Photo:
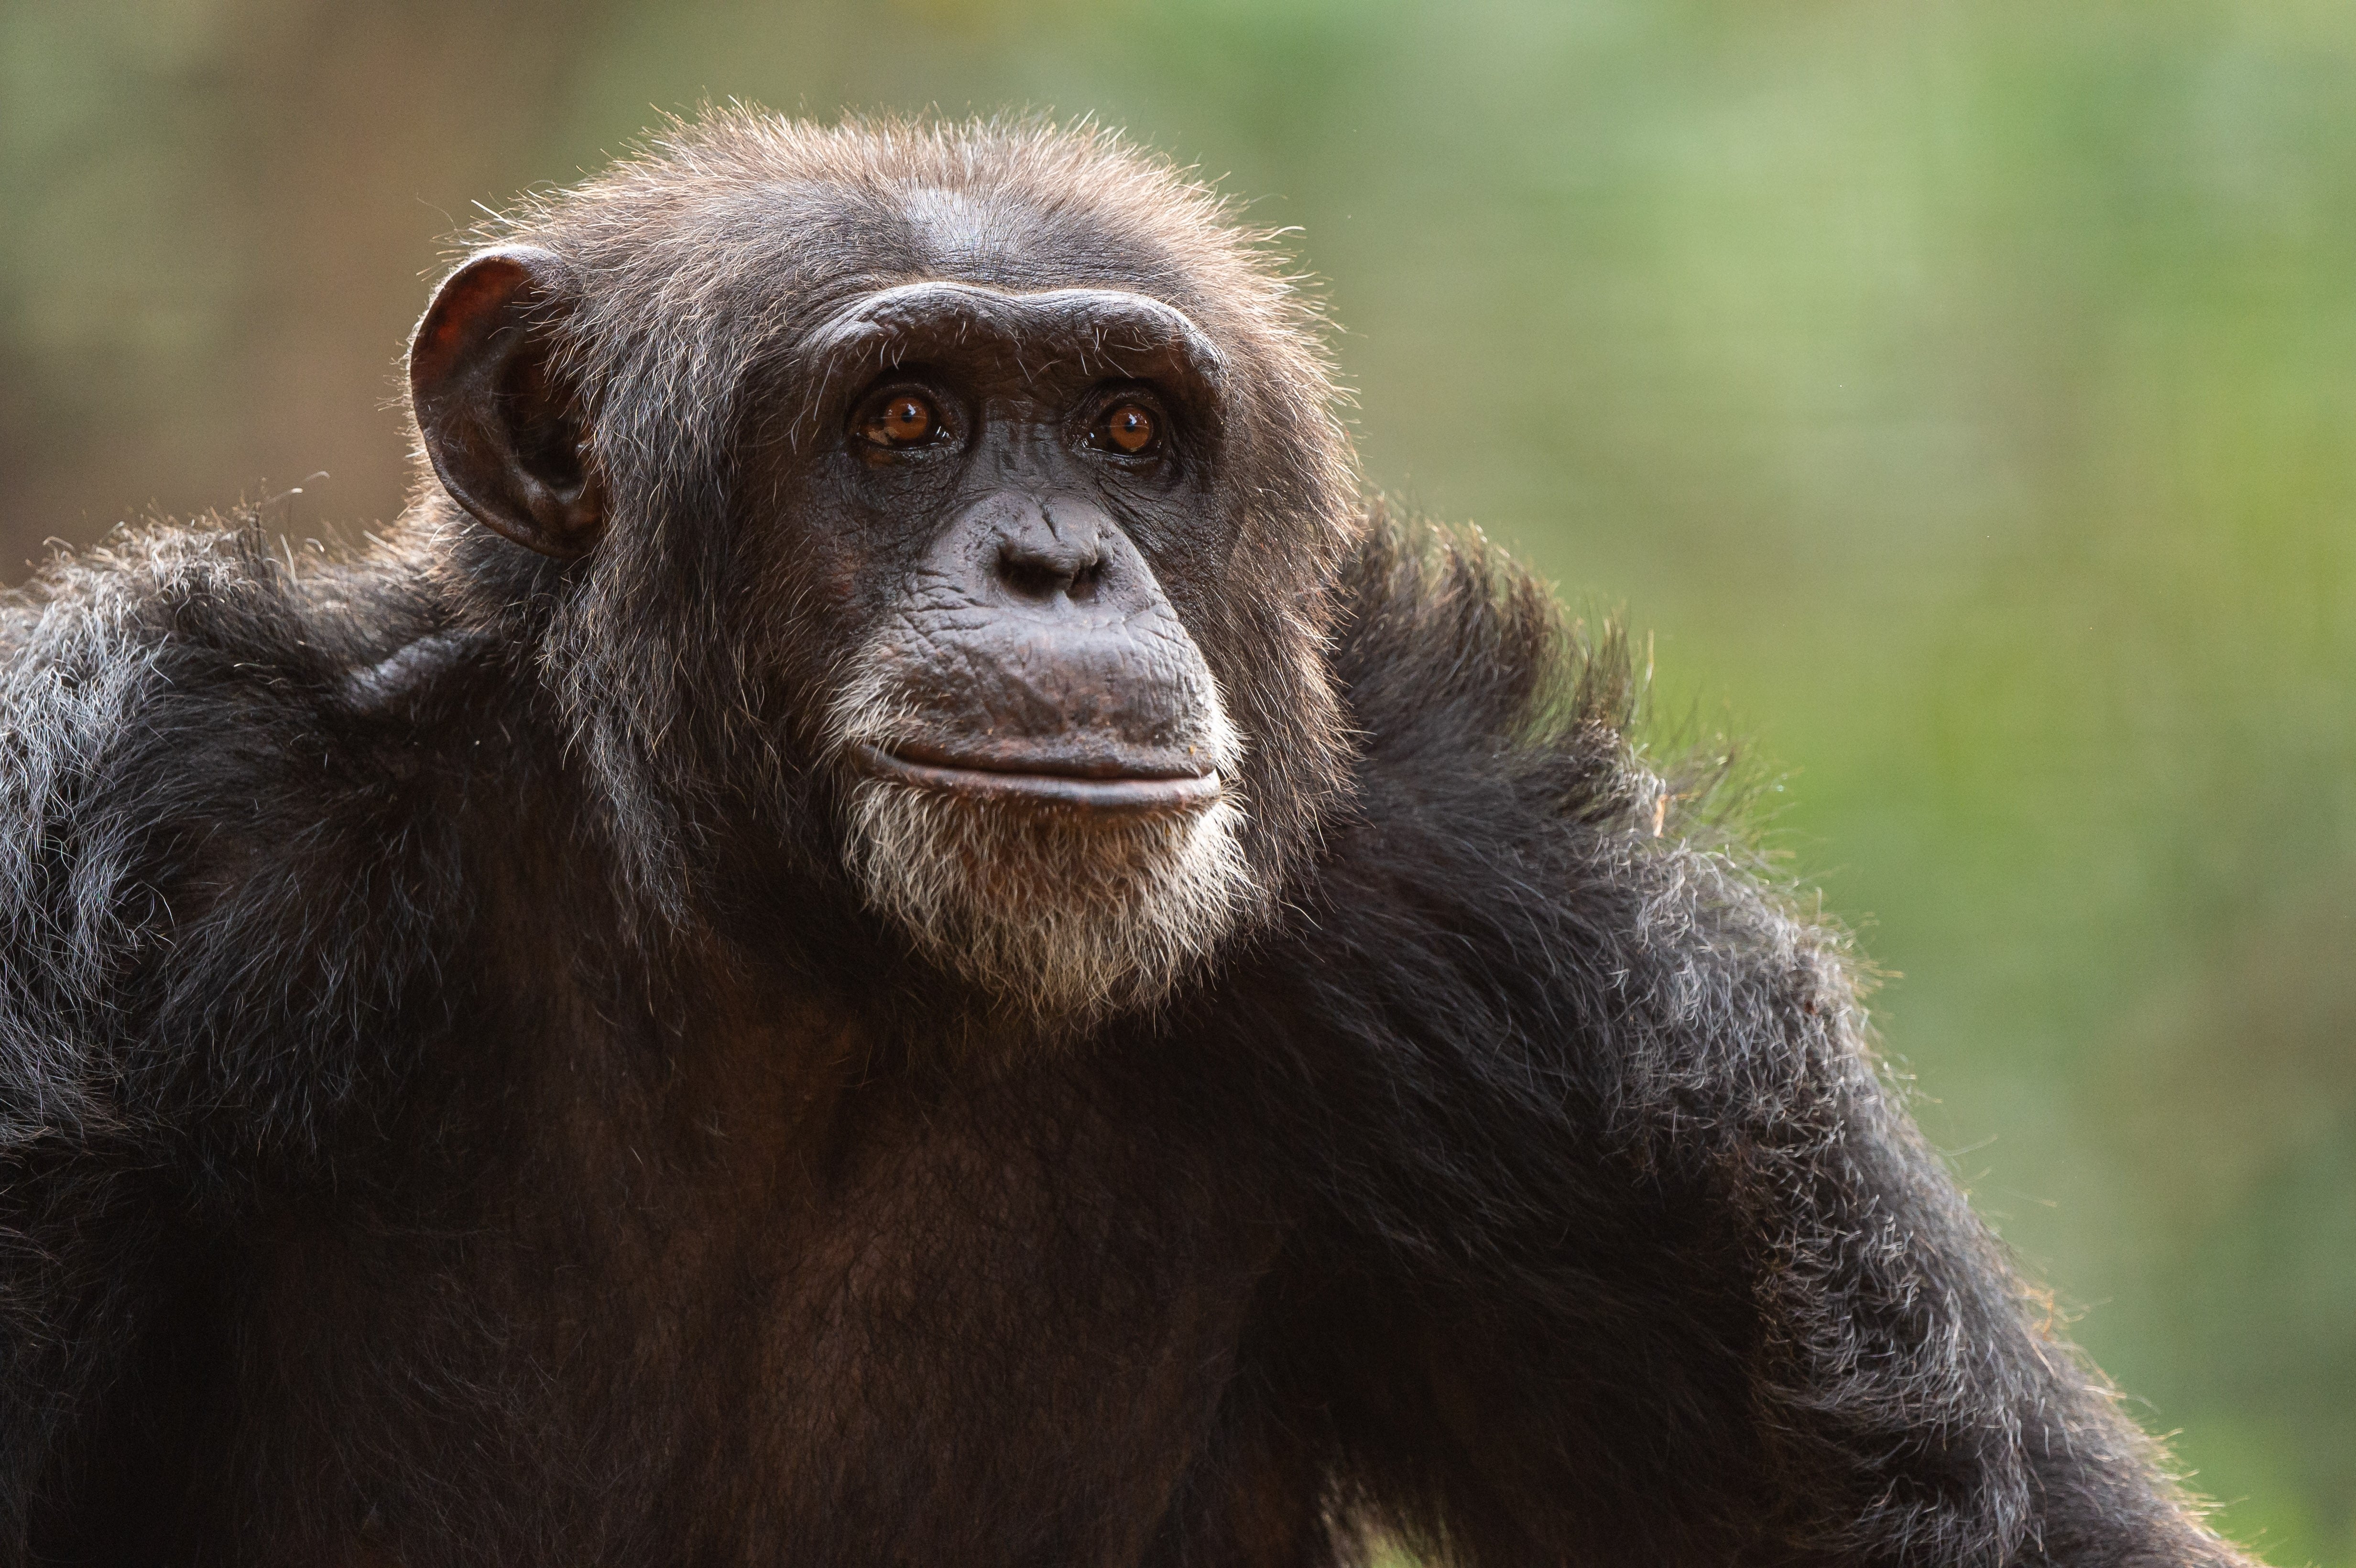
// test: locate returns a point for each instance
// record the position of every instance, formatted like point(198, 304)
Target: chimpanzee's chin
point(1059, 914)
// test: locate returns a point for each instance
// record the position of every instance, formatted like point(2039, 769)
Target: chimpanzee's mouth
point(1095, 782)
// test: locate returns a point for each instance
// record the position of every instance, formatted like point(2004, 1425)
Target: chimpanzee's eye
point(1129, 428)
point(903, 420)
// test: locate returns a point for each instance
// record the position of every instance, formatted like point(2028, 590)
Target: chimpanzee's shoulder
point(1525, 899)
point(199, 636)
point(1501, 813)
point(205, 751)
point(1514, 845)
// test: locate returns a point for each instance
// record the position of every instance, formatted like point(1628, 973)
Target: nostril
point(1038, 575)
point(1029, 576)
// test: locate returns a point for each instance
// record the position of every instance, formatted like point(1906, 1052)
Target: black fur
point(427, 1143)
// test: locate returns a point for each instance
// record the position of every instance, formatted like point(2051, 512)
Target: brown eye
point(903, 420)
point(1129, 428)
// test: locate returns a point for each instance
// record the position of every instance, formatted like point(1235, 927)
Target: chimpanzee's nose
point(1049, 548)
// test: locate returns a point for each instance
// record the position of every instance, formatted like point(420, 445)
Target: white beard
point(1064, 915)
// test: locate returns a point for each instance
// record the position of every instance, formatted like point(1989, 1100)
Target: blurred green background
point(1963, 392)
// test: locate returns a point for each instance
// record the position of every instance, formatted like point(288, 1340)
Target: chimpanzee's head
point(956, 506)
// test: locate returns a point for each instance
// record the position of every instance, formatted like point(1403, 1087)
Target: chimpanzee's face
point(999, 505)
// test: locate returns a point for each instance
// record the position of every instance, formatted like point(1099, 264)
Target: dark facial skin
point(1003, 501)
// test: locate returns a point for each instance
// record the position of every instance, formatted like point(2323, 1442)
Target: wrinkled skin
point(1022, 628)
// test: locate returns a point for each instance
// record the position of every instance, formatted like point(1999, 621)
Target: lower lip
point(1046, 789)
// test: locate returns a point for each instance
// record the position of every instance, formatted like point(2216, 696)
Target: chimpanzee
point(891, 926)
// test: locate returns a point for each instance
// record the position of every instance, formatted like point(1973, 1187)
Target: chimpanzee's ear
point(502, 423)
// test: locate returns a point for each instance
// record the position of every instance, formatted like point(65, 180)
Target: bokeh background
point(1962, 391)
